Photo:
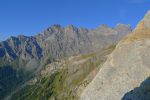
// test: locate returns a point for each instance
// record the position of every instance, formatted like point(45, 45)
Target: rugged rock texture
point(28, 55)
point(126, 68)
point(58, 41)
point(21, 49)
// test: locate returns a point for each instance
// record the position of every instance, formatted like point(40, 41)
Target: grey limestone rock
point(124, 74)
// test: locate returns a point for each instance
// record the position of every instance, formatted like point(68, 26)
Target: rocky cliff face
point(58, 41)
point(125, 75)
point(20, 49)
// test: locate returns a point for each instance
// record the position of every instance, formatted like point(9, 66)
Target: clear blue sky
point(30, 17)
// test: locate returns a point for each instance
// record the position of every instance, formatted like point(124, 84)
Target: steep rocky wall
point(125, 69)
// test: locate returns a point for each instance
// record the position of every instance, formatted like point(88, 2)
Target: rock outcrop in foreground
point(125, 75)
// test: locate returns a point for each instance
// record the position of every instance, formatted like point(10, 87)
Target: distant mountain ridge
point(26, 55)
point(59, 42)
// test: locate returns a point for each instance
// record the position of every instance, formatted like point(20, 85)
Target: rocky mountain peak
point(119, 25)
point(103, 26)
point(147, 16)
point(56, 26)
point(71, 29)
point(145, 23)
point(142, 30)
point(22, 37)
point(147, 20)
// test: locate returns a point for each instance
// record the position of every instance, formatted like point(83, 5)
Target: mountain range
point(24, 58)
point(74, 63)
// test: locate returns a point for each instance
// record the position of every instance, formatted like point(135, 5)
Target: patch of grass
point(63, 84)
point(110, 48)
point(44, 89)
point(87, 55)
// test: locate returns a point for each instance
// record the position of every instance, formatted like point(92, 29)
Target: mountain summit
point(145, 22)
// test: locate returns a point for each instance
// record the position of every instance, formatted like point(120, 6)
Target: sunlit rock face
point(147, 20)
point(124, 74)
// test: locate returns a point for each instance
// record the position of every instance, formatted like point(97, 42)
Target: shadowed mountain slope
point(139, 93)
